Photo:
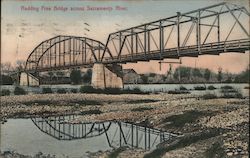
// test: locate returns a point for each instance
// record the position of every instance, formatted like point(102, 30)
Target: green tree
point(87, 76)
point(59, 73)
point(144, 78)
point(152, 74)
point(219, 77)
point(229, 77)
point(19, 91)
point(169, 73)
point(51, 74)
point(196, 72)
point(207, 74)
point(243, 77)
point(182, 72)
point(6, 80)
point(75, 76)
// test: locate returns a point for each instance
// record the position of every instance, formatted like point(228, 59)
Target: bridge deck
point(239, 46)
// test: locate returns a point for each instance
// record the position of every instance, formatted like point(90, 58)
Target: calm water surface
point(56, 136)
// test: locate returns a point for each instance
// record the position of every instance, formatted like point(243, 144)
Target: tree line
point(181, 74)
point(185, 74)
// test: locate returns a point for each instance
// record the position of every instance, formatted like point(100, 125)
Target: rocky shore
point(188, 115)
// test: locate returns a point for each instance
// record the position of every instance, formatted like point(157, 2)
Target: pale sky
point(23, 30)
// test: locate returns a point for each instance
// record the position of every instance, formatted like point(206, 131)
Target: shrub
point(115, 153)
point(181, 119)
point(87, 89)
point(209, 96)
point(61, 91)
point(19, 91)
point(226, 87)
point(74, 90)
point(178, 92)
point(230, 92)
point(211, 87)
point(90, 89)
point(199, 88)
point(6, 80)
point(75, 76)
point(47, 90)
point(111, 91)
point(85, 102)
point(247, 87)
point(235, 94)
point(91, 112)
point(135, 90)
point(142, 109)
point(182, 88)
point(141, 101)
point(5, 92)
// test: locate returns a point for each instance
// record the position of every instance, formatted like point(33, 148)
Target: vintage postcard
point(124, 78)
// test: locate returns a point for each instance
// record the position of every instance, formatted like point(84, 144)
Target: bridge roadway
point(188, 51)
point(234, 46)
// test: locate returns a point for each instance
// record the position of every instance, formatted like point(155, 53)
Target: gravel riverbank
point(184, 114)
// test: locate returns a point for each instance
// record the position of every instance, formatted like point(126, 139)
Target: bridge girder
point(212, 25)
point(210, 30)
point(62, 52)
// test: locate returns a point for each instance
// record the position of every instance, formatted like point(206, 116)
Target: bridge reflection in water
point(117, 134)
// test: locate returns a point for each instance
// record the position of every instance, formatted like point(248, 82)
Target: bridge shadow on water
point(118, 134)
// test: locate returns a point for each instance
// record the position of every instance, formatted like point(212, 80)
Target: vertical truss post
point(82, 50)
point(198, 33)
point(59, 128)
point(145, 135)
point(136, 43)
point(132, 43)
point(55, 55)
point(145, 41)
point(99, 51)
point(178, 33)
point(132, 136)
point(218, 28)
point(161, 40)
point(120, 44)
point(85, 51)
point(54, 129)
point(148, 138)
point(50, 54)
point(73, 51)
point(136, 136)
point(148, 41)
point(42, 58)
point(64, 52)
point(70, 51)
point(59, 53)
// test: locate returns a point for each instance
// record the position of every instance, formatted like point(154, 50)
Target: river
point(146, 87)
point(58, 136)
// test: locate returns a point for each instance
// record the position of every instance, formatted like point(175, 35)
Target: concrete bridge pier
point(27, 79)
point(107, 76)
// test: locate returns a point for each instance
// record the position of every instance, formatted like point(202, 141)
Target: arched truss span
point(63, 52)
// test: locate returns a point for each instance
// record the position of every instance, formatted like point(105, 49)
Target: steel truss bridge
point(117, 134)
point(210, 30)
